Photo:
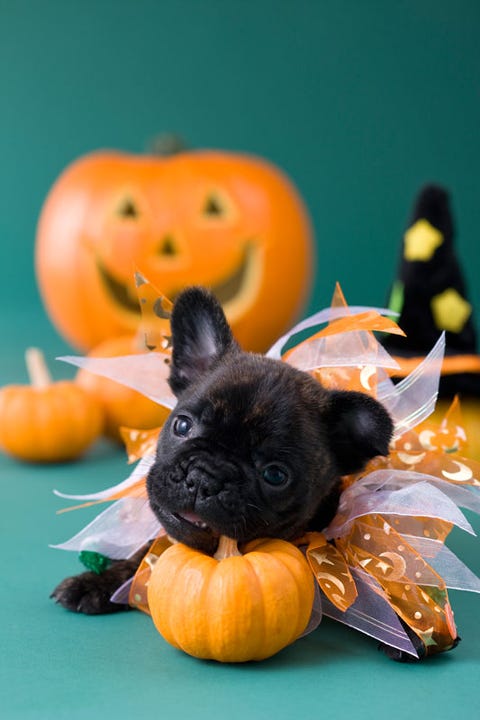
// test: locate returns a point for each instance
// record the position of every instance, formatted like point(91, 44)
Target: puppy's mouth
point(193, 519)
point(189, 528)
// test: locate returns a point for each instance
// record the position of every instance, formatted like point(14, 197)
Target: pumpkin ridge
point(238, 576)
point(291, 563)
point(264, 635)
point(193, 557)
point(83, 419)
point(67, 431)
point(286, 558)
point(156, 592)
point(270, 566)
point(48, 411)
point(40, 414)
point(260, 654)
point(208, 569)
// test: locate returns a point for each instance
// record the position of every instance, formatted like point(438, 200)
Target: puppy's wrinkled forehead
point(254, 393)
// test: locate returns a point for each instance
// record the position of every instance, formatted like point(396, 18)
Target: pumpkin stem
point(37, 368)
point(226, 548)
point(166, 144)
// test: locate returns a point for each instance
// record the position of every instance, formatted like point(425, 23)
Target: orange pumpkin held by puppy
point(231, 222)
point(231, 607)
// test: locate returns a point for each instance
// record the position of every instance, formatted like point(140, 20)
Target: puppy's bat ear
point(201, 336)
point(359, 428)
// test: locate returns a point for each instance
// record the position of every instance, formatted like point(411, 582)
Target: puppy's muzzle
point(197, 498)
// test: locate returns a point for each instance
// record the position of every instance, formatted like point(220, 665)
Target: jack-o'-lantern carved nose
point(168, 246)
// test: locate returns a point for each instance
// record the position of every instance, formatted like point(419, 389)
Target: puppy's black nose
point(209, 489)
point(202, 483)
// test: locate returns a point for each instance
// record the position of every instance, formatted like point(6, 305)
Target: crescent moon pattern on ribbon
point(332, 579)
point(365, 374)
point(463, 474)
point(408, 459)
point(425, 437)
point(398, 567)
point(335, 580)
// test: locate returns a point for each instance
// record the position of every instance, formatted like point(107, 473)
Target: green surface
point(55, 664)
point(360, 102)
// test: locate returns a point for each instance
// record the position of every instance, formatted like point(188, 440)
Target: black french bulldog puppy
point(254, 448)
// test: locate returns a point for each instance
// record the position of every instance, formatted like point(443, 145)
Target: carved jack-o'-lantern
point(231, 222)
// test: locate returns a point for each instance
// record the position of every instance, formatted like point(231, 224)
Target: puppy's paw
point(88, 593)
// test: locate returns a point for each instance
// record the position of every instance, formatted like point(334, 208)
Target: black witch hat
point(430, 297)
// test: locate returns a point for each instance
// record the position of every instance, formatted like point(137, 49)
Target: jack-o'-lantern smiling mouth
point(236, 292)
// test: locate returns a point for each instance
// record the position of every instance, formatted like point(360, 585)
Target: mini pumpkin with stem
point(232, 607)
point(47, 421)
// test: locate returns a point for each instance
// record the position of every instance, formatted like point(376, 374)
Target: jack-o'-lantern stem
point(166, 144)
point(37, 369)
point(227, 547)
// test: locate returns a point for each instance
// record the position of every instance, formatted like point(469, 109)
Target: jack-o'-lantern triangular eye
point(215, 206)
point(127, 208)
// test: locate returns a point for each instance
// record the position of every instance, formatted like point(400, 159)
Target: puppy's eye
point(274, 475)
point(182, 426)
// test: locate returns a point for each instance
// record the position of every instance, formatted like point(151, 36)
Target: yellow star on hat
point(421, 241)
point(450, 310)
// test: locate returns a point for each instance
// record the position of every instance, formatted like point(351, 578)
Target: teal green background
point(360, 102)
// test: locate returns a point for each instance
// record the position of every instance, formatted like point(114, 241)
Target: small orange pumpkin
point(47, 421)
point(121, 406)
point(231, 607)
point(228, 221)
